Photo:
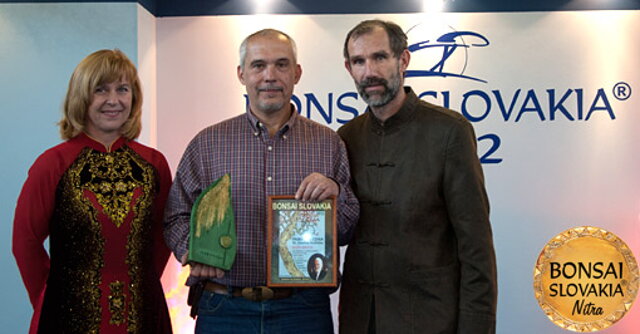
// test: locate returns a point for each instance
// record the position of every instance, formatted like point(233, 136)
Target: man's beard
point(266, 106)
point(391, 89)
point(270, 107)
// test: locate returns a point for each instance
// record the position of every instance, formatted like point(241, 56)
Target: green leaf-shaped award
point(213, 230)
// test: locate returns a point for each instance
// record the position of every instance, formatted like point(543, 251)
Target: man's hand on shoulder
point(317, 187)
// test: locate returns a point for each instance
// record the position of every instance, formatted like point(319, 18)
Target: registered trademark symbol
point(622, 91)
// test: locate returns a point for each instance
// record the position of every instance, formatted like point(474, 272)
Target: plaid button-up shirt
point(259, 166)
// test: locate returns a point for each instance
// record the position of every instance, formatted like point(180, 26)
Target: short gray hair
point(266, 32)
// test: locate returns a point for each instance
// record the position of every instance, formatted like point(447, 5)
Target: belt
point(256, 293)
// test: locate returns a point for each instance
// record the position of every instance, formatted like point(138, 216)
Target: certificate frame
point(301, 236)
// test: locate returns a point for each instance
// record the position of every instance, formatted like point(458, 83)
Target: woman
point(99, 197)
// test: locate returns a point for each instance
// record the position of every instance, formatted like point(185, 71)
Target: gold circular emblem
point(226, 241)
point(585, 279)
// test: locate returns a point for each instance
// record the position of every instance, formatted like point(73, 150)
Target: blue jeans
point(307, 311)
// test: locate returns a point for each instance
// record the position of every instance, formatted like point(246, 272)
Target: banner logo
point(447, 56)
point(585, 279)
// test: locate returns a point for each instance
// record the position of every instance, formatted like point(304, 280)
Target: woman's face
point(109, 109)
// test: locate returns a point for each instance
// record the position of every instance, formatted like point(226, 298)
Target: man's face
point(376, 72)
point(318, 263)
point(269, 73)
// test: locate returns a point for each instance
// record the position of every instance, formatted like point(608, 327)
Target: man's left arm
point(348, 205)
point(468, 208)
point(317, 187)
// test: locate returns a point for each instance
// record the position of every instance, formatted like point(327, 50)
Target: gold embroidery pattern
point(77, 244)
point(113, 184)
point(116, 303)
point(74, 230)
point(139, 252)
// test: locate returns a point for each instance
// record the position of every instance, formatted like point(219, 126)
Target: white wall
point(147, 71)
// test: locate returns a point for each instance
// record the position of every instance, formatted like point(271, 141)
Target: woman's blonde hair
point(99, 68)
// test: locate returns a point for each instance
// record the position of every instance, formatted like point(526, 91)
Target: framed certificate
point(301, 243)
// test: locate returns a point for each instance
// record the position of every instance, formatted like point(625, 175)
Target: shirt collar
point(258, 128)
point(406, 112)
point(86, 140)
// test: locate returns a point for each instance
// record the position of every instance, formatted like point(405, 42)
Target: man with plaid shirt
point(269, 150)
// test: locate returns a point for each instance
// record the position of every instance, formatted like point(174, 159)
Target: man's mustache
point(270, 88)
point(373, 81)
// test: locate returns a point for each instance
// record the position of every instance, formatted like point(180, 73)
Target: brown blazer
point(422, 251)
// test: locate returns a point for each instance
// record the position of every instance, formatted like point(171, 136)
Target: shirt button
point(270, 148)
point(269, 178)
